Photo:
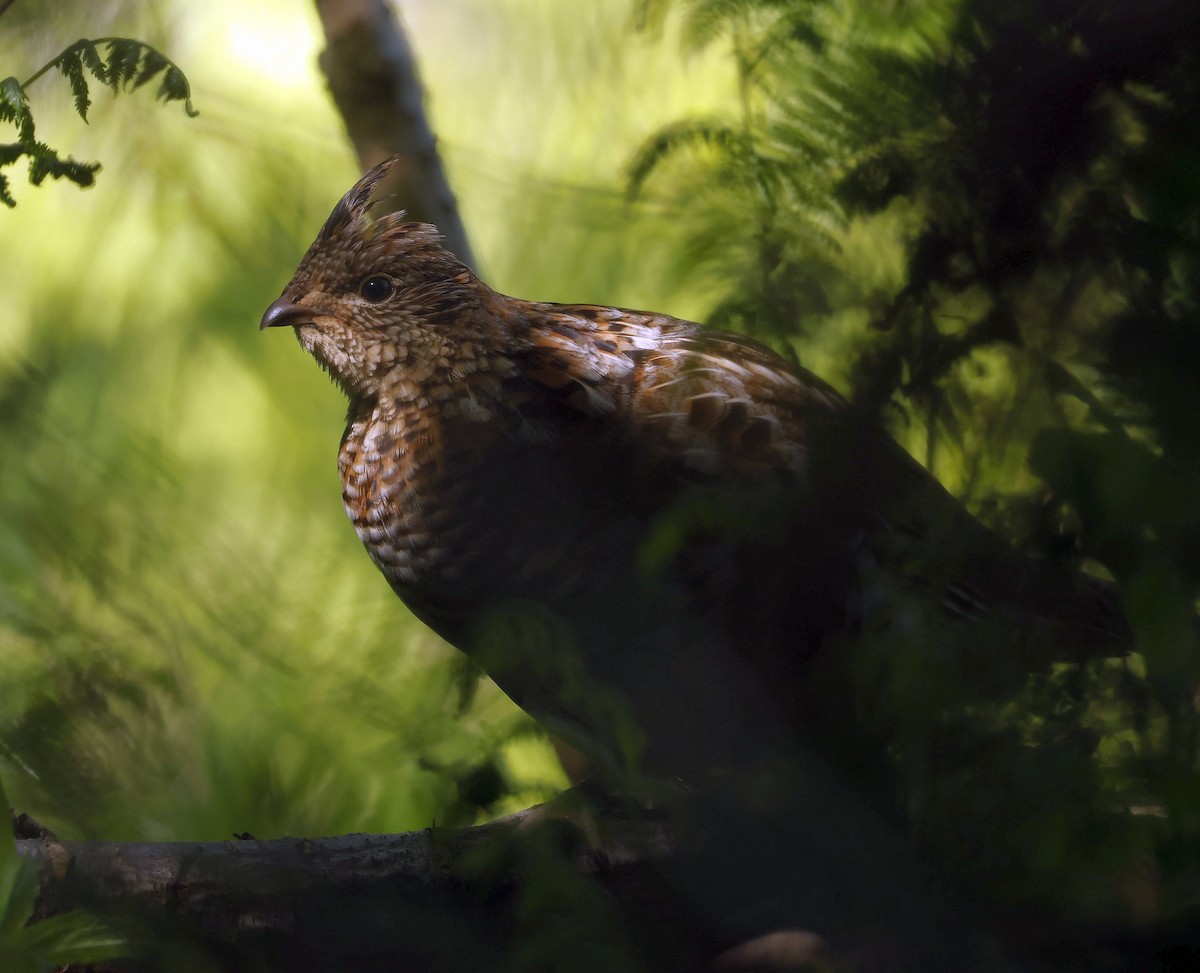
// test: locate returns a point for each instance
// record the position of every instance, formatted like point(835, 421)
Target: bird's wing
point(719, 404)
point(716, 405)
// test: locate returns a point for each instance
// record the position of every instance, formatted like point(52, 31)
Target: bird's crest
point(370, 200)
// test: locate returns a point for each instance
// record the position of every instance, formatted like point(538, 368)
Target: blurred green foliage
point(188, 647)
point(979, 219)
point(192, 643)
point(982, 219)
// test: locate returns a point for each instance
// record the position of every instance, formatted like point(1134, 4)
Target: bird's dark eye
point(376, 289)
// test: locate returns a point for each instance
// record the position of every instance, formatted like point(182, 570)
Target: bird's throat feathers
point(382, 367)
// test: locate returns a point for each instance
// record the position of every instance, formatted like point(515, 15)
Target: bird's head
point(377, 300)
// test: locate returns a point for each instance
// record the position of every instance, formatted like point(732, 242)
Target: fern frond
point(152, 64)
point(672, 139)
point(70, 63)
point(127, 64)
point(44, 161)
point(91, 59)
point(122, 61)
point(14, 107)
point(12, 100)
point(175, 87)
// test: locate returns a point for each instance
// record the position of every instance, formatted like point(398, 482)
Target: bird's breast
point(479, 506)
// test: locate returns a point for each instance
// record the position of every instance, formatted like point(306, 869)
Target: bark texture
point(373, 77)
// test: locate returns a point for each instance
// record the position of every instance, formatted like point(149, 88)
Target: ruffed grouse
point(643, 530)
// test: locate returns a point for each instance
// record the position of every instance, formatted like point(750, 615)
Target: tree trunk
point(372, 75)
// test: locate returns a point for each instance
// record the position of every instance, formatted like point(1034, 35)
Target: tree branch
point(435, 899)
point(673, 889)
point(705, 886)
point(372, 75)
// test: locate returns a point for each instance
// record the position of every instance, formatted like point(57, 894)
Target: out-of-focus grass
point(192, 642)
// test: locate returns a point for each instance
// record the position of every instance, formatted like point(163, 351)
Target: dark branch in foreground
point(711, 889)
point(203, 879)
point(442, 900)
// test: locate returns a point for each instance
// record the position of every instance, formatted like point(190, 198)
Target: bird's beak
point(285, 314)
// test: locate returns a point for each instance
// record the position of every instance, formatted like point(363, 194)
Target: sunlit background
point(192, 641)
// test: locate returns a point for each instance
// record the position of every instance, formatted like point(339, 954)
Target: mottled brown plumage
point(644, 530)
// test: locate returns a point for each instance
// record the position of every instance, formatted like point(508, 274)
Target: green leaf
point(152, 64)
point(14, 107)
point(71, 938)
point(46, 162)
point(12, 99)
point(122, 61)
point(18, 893)
point(175, 87)
point(92, 60)
point(18, 881)
point(71, 65)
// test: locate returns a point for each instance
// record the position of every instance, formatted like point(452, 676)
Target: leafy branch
point(126, 64)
